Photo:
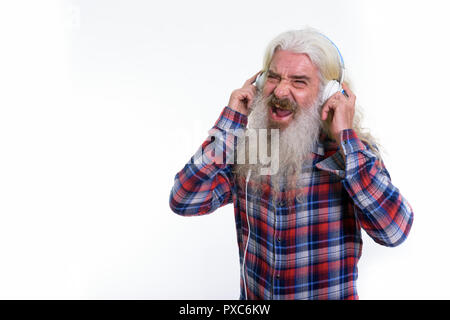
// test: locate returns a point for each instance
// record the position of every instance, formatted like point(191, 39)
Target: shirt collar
point(335, 163)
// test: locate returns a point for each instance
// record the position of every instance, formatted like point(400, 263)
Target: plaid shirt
point(303, 247)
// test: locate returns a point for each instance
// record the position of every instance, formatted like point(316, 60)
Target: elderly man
point(299, 225)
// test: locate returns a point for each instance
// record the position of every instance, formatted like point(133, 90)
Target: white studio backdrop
point(103, 102)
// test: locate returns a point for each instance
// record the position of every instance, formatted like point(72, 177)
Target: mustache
point(284, 104)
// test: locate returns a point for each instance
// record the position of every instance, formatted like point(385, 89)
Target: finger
point(250, 94)
point(337, 96)
point(246, 93)
point(251, 90)
point(347, 89)
point(326, 109)
point(252, 79)
point(350, 94)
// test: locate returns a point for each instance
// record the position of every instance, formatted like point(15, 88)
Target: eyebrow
point(295, 77)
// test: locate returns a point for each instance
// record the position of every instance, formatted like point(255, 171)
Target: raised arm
point(381, 210)
point(205, 182)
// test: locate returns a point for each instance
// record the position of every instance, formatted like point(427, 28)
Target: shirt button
point(281, 203)
point(278, 276)
point(278, 239)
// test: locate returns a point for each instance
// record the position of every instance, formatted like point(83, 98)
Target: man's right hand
point(242, 98)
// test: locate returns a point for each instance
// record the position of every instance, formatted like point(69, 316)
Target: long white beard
point(296, 142)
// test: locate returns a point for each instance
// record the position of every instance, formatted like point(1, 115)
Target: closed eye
point(272, 76)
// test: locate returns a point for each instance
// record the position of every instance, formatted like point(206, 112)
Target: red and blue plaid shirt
point(300, 247)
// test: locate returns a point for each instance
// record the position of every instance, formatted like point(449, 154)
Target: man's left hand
point(341, 110)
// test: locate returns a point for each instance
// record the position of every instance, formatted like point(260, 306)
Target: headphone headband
point(340, 57)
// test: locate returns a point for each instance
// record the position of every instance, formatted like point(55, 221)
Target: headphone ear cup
point(259, 83)
point(331, 88)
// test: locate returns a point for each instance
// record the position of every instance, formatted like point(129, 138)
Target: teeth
point(279, 107)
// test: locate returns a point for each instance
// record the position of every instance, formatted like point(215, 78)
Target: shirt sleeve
point(380, 208)
point(205, 183)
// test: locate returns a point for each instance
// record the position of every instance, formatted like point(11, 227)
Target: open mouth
point(280, 114)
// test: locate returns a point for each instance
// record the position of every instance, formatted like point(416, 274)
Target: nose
point(282, 90)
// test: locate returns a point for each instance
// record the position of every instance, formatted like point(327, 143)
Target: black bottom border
point(222, 309)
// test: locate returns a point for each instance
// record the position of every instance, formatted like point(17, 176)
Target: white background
point(103, 102)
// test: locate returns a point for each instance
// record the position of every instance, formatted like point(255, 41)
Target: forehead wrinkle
point(291, 76)
point(301, 68)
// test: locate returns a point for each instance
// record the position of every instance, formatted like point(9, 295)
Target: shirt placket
point(277, 241)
